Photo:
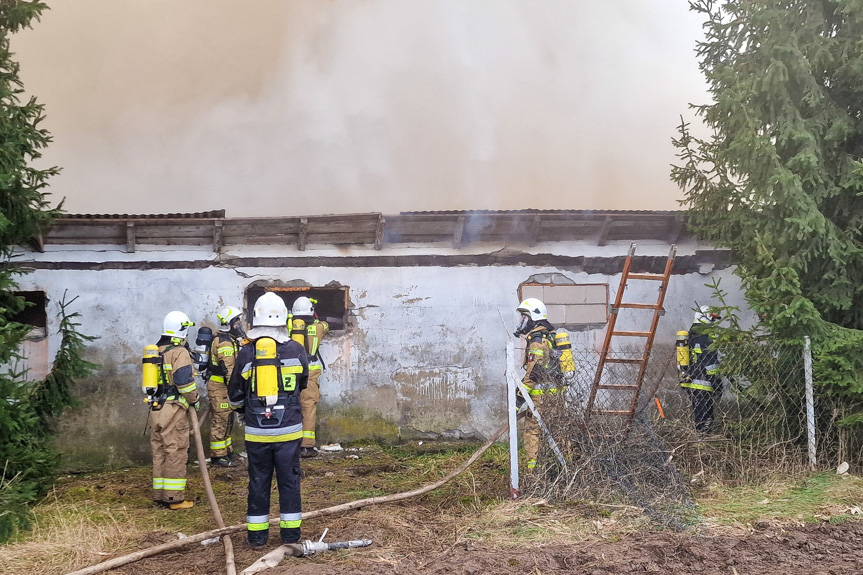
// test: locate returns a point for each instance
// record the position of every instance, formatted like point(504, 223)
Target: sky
point(307, 107)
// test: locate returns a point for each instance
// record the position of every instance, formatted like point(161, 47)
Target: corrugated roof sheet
point(549, 212)
point(190, 216)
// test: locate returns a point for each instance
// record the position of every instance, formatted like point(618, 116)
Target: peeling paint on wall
point(423, 354)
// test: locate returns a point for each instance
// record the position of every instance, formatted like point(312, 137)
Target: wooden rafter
point(304, 231)
point(130, 237)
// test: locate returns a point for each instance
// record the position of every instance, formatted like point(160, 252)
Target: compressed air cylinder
point(266, 376)
point(682, 348)
point(567, 362)
point(201, 353)
point(298, 331)
point(150, 367)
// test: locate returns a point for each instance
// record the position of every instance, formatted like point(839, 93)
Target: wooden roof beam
point(303, 234)
point(677, 226)
point(217, 236)
point(379, 233)
point(458, 232)
point(602, 237)
point(130, 237)
point(535, 226)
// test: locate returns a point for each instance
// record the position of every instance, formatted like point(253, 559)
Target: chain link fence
point(652, 458)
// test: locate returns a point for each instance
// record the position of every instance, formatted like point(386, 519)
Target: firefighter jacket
point(178, 374)
point(537, 361)
point(313, 332)
point(703, 361)
point(223, 355)
point(283, 420)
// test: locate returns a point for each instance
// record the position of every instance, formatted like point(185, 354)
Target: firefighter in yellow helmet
point(308, 330)
point(169, 401)
point(539, 334)
point(270, 373)
point(223, 354)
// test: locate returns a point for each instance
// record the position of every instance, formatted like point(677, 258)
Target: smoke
point(280, 107)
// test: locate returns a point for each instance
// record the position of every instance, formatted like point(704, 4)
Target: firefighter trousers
point(220, 439)
point(309, 399)
point(169, 442)
point(703, 406)
point(532, 433)
point(283, 458)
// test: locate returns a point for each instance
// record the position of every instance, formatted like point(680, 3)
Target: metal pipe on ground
point(156, 549)
point(304, 549)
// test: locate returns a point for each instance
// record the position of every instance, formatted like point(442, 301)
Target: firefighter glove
point(519, 399)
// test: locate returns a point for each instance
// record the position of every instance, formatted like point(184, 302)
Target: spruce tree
point(780, 182)
point(780, 179)
point(28, 409)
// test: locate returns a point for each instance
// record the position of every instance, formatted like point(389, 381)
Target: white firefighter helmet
point(270, 310)
point(533, 308)
point(227, 315)
point(303, 307)
point(704, 315)
point(176, 324)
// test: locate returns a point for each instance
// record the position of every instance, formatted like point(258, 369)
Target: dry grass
point(88, 518)
point(67, 536)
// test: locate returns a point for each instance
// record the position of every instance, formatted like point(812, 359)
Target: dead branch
point(157, 549)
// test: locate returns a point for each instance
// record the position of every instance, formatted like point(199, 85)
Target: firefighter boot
point(182, 505)
point(223, 461)
point(308, 452)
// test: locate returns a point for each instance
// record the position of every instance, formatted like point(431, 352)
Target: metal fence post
point(810, 401)
point(513, 430)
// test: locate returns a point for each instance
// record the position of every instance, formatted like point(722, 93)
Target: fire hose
point(156, 549)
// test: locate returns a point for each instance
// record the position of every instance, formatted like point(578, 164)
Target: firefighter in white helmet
point(698, 366)
point(308, 330)
point(271, 371)
point(538, 378)
point(223, 355)
point(169, 434)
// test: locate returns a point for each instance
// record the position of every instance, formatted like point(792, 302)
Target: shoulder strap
point(535, 336)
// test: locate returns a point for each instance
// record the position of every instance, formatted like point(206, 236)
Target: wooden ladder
point(635, 387)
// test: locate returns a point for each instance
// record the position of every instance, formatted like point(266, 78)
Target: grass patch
point(88, 518)
point(821, 496)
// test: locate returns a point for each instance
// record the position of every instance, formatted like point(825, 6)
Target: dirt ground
point(464, 527)
point(811, 550)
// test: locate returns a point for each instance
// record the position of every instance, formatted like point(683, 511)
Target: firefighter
point(538, 378)
point(169, 401)
point(308, 330)
point(698, 366)
point(223, 353)
point(271, 371)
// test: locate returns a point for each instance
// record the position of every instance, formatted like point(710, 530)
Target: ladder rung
point(621, 387)
point(610, 412)
point(640, 305)
point(632, 333)
point(645, 277)
point(622, 360)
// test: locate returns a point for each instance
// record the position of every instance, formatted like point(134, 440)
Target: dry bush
point(651, 460)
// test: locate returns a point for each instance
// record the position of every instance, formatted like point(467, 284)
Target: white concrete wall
point(424, 352)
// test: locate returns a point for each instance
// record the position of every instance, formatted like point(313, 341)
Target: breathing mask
point(236, 328)
point(525, 326)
